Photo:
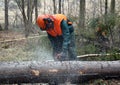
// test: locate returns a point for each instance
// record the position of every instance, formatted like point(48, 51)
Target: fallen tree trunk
point(44, 72)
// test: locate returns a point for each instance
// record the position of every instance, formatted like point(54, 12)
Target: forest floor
point(15, 47)
point(10, 49)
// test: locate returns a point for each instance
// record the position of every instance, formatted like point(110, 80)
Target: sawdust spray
point(41, 49)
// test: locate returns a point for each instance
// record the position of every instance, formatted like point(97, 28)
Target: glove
point(62, 56)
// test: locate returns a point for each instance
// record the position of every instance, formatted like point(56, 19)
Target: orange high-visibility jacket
point(57, 22)
point(57, 18)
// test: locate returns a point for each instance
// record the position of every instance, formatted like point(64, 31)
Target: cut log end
point(35, 72)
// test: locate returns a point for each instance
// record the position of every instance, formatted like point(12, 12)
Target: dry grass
point(12, 50)
point(15, 47)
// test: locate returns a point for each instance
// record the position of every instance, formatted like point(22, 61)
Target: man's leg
point(57, 49)
point(72, 48)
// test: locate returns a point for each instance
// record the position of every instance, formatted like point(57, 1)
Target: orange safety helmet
point(41, 21)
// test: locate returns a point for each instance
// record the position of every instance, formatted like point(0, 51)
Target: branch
point(12, 40)
point(95, 55)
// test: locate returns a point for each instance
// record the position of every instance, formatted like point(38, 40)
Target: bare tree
point(82, 14)
point(6, 15)
point(36, 8)
point(27, 17)
point(68, 7)
point(112, 10)
point(44, 6)
point(59, 10)
point(101, 10)
point(106, 7)
point(1, 28)
point(63, 6)
point(54, 5)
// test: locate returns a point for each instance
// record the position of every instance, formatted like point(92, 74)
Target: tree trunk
point(106, 7)
point(82, 14)
point(36, 9)
point(28, 27)
point(62, 6)
point(54, 6)
point(112, 11)
point(59, 10)
point(6, 15)
point(45, 6)
point(26, 14)
point(1, 28)
point(112, 7)
point(68, 9)
point(44, 72)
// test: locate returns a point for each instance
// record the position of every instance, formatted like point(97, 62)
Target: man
point(61, 35)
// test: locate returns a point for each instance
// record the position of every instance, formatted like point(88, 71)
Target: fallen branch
point(44, 72)
point(95, 55)
point(12, 40)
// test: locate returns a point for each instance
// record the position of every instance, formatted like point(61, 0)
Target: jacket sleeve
point(66, 35)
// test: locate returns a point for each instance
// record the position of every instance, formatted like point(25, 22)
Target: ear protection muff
point(48, 23)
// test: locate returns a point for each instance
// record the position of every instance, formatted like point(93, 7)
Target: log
point(47, 71)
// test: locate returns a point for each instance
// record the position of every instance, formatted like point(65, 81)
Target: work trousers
point(57, 43)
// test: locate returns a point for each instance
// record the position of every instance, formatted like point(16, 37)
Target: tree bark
point(82, 13)
point(1, 28)
point(26, 14)
point(106, 7)
point(6, 15)
point(36, 9)
point(47, 71)
point(59, 10)
point(54, 6)
point(112, 7)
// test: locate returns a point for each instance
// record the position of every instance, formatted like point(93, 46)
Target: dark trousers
point(57, 43)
